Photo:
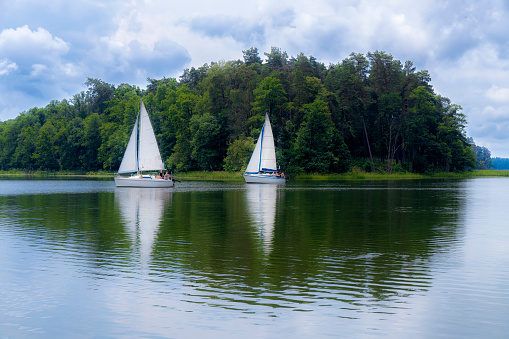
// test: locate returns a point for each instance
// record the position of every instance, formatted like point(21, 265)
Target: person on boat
point(166, 176)
point(160, 175)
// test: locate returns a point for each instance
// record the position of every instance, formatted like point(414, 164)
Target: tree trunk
point(367, 140)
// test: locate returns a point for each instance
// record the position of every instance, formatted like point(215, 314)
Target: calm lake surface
point(367, 259)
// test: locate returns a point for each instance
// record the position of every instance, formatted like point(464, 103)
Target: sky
point(48, 49)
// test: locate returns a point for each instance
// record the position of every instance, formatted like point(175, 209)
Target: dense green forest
point(370, 111)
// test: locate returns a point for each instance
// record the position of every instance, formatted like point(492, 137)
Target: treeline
point(369, 111)
point(483, 160)
point(500, 163)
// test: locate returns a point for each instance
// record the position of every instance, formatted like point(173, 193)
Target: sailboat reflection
point(262, 208)
point(142, 210)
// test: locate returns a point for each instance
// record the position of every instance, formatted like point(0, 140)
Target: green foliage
point(238, 154)
point(92, 141)
point(113, 145)
point(205, 131)
point(46, 150)
point(269, 96)
point(276, 59)
point(98, 94)
point(370, 111)
point(483, 158)
point(313, 149)
point(251, 56)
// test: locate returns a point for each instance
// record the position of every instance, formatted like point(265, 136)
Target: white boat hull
point(145, 181)
point(260, 178)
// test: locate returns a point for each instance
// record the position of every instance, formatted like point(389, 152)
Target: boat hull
point(149, 181)
point(263, 179)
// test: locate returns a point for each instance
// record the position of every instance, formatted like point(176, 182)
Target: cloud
point(24, 45)
point(30, 56)
point(495, 115)
point(222, 26)
point(7, 67)
point(492, 134)
point(38, 69)
point(31, 68)
point(37, 66)
point(498, 94)
point(132, 62)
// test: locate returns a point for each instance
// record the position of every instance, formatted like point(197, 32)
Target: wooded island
point(369, 111)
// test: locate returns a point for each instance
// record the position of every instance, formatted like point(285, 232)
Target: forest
point(500, 163)
point(370, 111)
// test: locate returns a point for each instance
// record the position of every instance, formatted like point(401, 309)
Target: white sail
point(129, 163)
point(254, 163)
point(264, 154)
point(268, 153)
point(149, 158)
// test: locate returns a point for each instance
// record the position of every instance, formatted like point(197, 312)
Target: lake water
point(367, 259)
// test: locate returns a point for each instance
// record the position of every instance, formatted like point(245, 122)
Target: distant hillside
point(500, 163)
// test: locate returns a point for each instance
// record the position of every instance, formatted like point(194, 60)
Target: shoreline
point(237, 176)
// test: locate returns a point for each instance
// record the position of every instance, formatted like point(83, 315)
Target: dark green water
point(397, 259)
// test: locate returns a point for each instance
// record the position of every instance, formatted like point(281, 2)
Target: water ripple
point(204, 259)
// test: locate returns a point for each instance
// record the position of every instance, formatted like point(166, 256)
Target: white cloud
point(34, 54)
point(7, 67)
point(498, 94)
point(133, 61)
point(495, 115)
point(38, 69)
point(38, 44)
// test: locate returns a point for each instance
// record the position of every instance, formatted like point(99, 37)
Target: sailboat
point(142, 154)
point(262, 167)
